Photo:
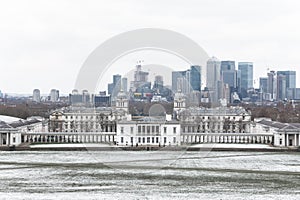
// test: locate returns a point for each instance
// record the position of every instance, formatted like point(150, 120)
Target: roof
point(4, 125)
point(219, 111)
point(8, 119)
point(21, 123)
point(281, 126)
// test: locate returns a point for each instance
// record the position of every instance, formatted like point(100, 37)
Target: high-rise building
point(187, 81)
point(158, 83)
point(213, 78)
point(36, 96)
point(124, 84)
point(272, 84)
point(213, 73)
point(75, 97)
point(86, 98)
point(175, 76)
point(263, 84)
point(290, 78)
point(140, 82)
point(117, 84)
point(102, 100)
point(195, 77)
point(246, 70)
point(54, 95)
point(281, 87)
point(230, 78)
point(110, 88)
point(227, 65)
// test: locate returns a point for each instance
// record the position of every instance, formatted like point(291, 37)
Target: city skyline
point(37, 46)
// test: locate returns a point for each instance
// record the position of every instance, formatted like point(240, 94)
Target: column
point(287, 139)
point(295, 139)
point(7, 139)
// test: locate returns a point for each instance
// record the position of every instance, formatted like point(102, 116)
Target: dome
point(122, 95)
point(179, 95)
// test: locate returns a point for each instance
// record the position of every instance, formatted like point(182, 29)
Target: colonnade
point(61, 137)
point(227, 138)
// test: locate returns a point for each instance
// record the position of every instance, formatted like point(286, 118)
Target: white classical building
point(11, 132)
point(148, 131)
point(285, 134)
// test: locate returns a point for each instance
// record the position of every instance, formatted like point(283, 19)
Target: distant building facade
point(246, 70)
point(36, 96)
point(54, 95)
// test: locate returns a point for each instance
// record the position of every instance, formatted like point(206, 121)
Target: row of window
point(89, 117)
point(148, 140)
point(148, 129)
point(218, 127)
point(219, 118)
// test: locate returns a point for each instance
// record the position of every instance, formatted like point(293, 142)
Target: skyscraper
point(175, 76)
point(246, 69)
point(272, 84)
point(140, 82)
point(213, 73)
point(230, 78)
point(36, 95)
point(54, 95)
point(227, 65)
point(281, 87)
point(213, 79)
point(158, 83)
point(110, 88)
point(195, 78)
point(263, 84)
point(290, 78)
point(124, 84)
point(116, 83)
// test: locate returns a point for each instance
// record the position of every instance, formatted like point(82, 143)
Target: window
point(131, 129)
point(122, 139)
point(157, 140)
point(139, 139)
point(148, 139)
point(139, 129)
point(143, 140)
point(143, 129)
point(165, 139)
point(280, 141)
point(131, 140)
point(174, 140)
point(152, 139)
point(14, 139)
point(165, 129)
point(174, 129)
point(122, 129)
point(153, 129)
point(157, 129)
point(148, 129)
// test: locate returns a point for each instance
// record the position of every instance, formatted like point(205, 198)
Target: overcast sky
point(44, 43)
